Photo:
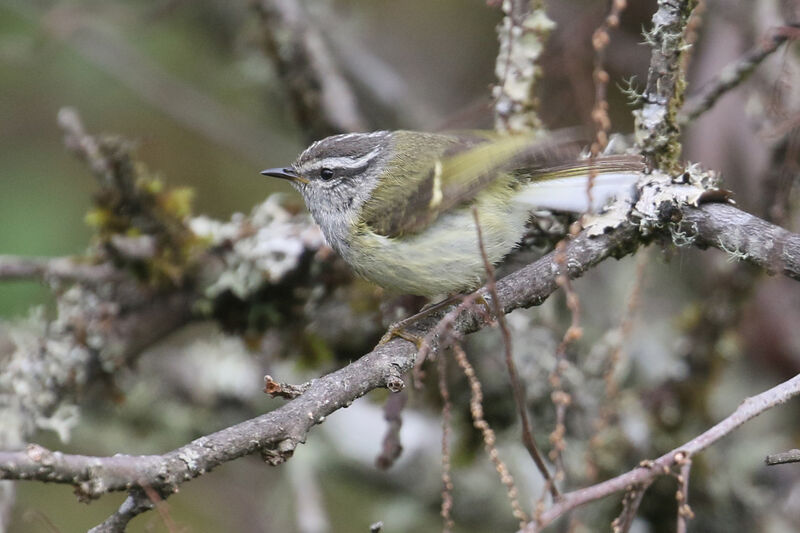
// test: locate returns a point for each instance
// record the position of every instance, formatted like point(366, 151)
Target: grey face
point(338, 173)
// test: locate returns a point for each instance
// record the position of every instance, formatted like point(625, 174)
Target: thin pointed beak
point(285, 173)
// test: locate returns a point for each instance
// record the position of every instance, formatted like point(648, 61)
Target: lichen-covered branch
point(522, 35)
point(278, 433)
point(744, 237)
point(657, 130)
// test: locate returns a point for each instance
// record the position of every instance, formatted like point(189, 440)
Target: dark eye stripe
point(338, 172)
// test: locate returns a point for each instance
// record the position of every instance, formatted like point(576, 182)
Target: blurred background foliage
point(190, 83)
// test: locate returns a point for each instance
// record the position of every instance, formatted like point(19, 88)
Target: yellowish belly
point(443, 259)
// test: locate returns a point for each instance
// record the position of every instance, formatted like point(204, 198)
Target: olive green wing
point(431, 173)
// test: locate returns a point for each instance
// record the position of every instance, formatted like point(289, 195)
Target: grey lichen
point(267, 245)
point(657, 129)
point(522, 35)
point(37, 362)
point(661, 193)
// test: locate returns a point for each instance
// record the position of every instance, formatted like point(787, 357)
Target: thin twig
point(630, 505)
point(161, 506)
point(516, 385)
point(600, 41)
point(561, 398)
point(392, 446)
point(447, 480)
point(649, 470)
point(489, 439)
point(607, 408)
point(734, 74)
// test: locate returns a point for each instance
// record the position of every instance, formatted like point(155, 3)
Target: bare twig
point(135, 504)
point(792, 456)
point(516, 385)
point(734, 74)
point(630, 505)
point(749, 408)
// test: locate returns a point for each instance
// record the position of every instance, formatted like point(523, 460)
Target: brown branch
point(649, 470)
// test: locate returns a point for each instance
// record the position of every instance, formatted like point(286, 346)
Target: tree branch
point(55, 268)
point(649, 470)
point(657, 131)
point(744, 237)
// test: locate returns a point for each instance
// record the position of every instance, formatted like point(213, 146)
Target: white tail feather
point(569, 194)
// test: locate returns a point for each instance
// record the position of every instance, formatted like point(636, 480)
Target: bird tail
point(564, 187)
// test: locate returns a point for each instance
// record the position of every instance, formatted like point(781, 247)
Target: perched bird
point(398, 205)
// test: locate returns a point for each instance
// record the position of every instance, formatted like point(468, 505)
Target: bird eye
point(326, 174)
